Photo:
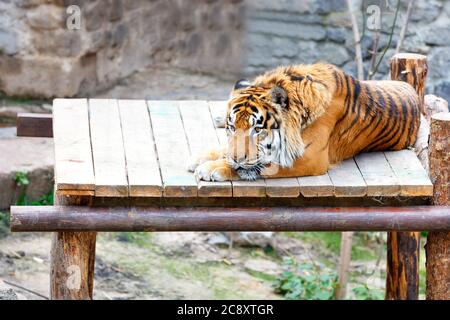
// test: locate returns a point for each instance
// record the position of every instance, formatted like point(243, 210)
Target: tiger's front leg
point(216, 170)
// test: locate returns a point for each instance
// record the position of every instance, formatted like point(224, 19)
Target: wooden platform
point(140, 149)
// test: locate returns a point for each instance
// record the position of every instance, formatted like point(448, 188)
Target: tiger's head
point(265, 122)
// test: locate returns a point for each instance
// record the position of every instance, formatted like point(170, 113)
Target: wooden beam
point(438, 243)
point(34, 125)
point(403, 249)
point(54, 218)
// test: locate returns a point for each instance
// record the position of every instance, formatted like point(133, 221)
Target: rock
point(439, 63)
point(115, 10)
point(257, 239)
point(285, 29)
point(435, 35)
point(442, 89)
point(333, 53)
point(8, 294)
point(8, 42)
point(338, 35)
point(94, 16)
point(326, 6)
point(65, 43)
point(218, 239)
point(263, 266)
point(46, 17)
point(426, 11)
point(284, 47)
point(307, 52)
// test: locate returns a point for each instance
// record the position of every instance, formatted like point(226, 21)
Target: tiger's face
point(253, 129)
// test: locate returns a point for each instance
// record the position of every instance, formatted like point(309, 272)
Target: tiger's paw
point(194, 162)
point(197, 160)
point(217, 170)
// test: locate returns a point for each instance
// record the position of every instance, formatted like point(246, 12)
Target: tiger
point(302, 120)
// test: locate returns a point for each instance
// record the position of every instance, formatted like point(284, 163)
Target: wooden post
point(72, 260)
point(413, 69)
point(344, 264)
point(403, 248)
point(438, 243)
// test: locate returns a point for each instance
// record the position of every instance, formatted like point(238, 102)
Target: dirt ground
point(165, 266)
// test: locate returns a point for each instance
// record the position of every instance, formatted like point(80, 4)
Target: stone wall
point(41, 57)
point(306, 31)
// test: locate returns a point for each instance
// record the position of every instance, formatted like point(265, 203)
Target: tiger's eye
point(258, 129)
point(231, 128)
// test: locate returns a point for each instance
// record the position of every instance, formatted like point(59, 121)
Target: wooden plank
point(255, 188)
point(411, 176)
point(34, 125)
point(73, 158)
point(75, 193)
point(316, 186)
point(378, 175)
point(107, 149)
point(347, 180)
point(222, 136)
point(218, 112)
point(201, 136)
point(172, 149)
point(283, 187)
point(144, 178)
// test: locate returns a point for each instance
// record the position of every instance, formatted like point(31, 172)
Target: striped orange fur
point(303, 119)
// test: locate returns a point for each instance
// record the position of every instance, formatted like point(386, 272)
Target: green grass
point(4, 224)
point(332, 241)
point(422, 269)
point(21, 100)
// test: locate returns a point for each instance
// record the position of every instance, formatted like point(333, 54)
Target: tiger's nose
point(240, 159)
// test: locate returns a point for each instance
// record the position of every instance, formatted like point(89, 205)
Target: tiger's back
point(377, 115)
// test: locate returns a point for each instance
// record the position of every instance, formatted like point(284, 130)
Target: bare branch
point(358, 51)
point(405, 26)
point(376, 42)
point(390, 38)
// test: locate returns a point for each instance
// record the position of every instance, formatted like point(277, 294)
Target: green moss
point(261, 275)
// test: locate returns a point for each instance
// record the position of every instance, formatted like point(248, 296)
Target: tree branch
point(390, 38)
point(358, 51)
point(405, 26)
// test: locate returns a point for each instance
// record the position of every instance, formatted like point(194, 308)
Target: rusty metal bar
point(73, 218)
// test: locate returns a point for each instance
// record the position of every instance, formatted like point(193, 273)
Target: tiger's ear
point(243, 83)
point(279, 96)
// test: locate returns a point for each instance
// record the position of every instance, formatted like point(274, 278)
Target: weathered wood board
point(107, 149)
point(411, 176)
point(144, 178)
point(141, 149)
point(172, 148)
point(347, 180)
point(73, 155)
point(201, 136)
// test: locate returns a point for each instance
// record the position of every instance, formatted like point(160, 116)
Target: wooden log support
point(403, 249)
point(72, 260)
point(413, 69)
point(62, 218)
point(34, 125)
point(438, 243)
